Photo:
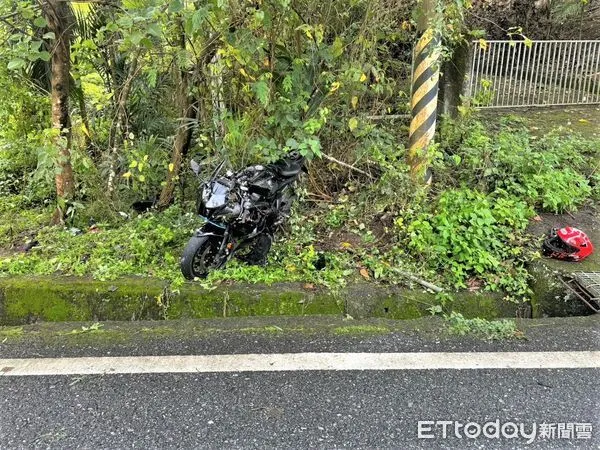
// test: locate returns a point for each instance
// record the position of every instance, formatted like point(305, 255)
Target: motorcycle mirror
point(195, 166)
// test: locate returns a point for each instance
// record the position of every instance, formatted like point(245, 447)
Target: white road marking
point(299, 362)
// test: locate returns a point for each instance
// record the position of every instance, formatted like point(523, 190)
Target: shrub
point(470, 234)
point(550, 174)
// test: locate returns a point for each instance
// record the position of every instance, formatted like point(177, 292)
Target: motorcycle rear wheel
point(200, 256)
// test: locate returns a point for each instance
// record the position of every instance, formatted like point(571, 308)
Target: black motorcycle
point(242, 212)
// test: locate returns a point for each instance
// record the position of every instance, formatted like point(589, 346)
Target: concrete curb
point(57, 299)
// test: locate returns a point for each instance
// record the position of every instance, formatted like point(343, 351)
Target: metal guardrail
point(507, 74)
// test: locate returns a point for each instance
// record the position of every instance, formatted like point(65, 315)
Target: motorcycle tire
point(200, 256)
point(258, 251)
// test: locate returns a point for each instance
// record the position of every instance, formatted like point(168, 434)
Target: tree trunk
point(58, 16)
point(183, 136)
point(216, 86)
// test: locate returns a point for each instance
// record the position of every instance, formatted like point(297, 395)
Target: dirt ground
point(587, 220)
point(580, 119)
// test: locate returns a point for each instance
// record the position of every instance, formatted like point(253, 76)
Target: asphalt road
point(296, 409)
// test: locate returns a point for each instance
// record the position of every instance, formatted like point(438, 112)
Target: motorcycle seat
point(287, 169)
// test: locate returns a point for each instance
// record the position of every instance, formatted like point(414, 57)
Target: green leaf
point(123, 22)
point(259, 16)
point(175, 6)
point(136, 37)
point(35, 46)
point(155, 30)
point(262, 91)
point(40, 22)
point(292, 143)
point(198, 19)
point(111, 26)
point(352, 123)
point(287, 84)
point(44, 56)
point(315, 146)
point(146, 43)
point(152, 75)
point(49, 35)
point(337, 49)
point(187, 26)
point(27, 13)
point(16, 64)
point(184, 59)
point(89, 44)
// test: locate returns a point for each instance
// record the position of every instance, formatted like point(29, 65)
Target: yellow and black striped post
point(425, 87)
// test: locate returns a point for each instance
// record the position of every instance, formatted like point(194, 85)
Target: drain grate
point(586, 286)
point(590, 281)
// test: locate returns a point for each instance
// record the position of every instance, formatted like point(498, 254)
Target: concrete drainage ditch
point(56, 299)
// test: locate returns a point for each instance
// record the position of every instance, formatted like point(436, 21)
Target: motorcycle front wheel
point(200, 256)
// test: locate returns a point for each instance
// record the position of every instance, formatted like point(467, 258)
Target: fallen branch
point(425, 284)
point(342, 163)
point(389, 116)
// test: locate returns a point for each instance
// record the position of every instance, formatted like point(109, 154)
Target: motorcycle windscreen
point(217, 196)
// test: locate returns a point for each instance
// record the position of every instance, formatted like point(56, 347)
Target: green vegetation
point(96, 327)
point(146, 245)
point(472, 230)
point(6, 332)
point(488, 329)
point(155, 83)
point(265, 329)
point(361, 329)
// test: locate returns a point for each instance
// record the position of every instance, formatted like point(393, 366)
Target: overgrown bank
point(141, 87)
point(467, 232)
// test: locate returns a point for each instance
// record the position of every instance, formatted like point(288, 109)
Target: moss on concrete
point(11, 332)
point(29, 300)
point(364, 301)
point(361, 329)
point(399, 307)
point(550, 297)
point(487, 306)
point(244, 300)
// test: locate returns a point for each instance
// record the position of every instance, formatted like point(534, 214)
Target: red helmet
point(568, 243)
